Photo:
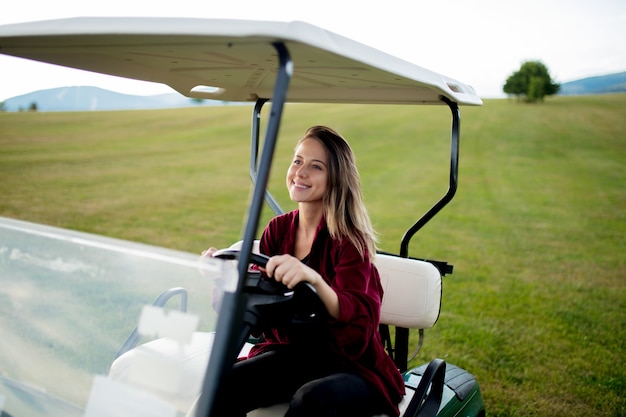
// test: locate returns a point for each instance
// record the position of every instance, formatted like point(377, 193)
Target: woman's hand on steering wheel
point(208, 253)
point(290, 271)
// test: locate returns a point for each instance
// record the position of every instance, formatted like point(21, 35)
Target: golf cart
point(71, 298)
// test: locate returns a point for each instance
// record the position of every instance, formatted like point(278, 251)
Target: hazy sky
point(478, 42)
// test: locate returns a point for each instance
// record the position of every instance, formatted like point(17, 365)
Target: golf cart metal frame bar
point(421, 222)
point(225, 348)
point(454, 179)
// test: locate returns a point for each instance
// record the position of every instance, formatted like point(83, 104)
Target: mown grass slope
point(535, 307)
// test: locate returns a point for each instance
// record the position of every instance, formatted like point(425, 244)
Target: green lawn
point(536, 305)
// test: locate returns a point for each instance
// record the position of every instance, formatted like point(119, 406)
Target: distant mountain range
point(93, 98)
point(612, 83)
point(87, 98)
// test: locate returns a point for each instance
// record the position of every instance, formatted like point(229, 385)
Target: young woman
point(338, 368)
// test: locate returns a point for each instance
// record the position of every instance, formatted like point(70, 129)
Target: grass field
point(537, 232)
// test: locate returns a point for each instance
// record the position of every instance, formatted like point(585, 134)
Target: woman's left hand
point(290, 271)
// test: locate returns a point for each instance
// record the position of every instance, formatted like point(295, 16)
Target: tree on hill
point(532, 82)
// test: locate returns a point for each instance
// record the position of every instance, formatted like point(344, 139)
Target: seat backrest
point(412, 297)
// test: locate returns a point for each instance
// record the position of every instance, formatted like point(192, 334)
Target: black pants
point(313, 385)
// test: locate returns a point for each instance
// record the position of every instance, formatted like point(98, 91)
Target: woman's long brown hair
point(345, 213)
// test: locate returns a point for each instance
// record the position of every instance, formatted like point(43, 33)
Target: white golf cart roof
point(232, 60)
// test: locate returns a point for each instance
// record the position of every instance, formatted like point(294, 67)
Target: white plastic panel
point(412, 296)
point(233, 60)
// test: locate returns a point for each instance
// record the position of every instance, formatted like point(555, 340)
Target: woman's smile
point(303, 186)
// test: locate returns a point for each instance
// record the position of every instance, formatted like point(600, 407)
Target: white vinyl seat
point(412, 299)
point(412, 292)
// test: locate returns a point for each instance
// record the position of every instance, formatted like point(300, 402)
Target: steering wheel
point(255, 283)
point(273, 301)
point(256, 258)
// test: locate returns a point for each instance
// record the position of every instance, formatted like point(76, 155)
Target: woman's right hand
point(209, 252)
point(206, 254)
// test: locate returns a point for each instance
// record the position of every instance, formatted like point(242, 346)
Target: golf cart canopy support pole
point(454, 179)
point(402, 335)
point(254, 154)
point(229, 330)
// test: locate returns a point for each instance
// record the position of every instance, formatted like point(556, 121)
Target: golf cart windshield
point(72, 303)
point(227, 60)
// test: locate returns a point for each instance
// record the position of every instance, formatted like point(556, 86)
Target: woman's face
point(307, 176)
